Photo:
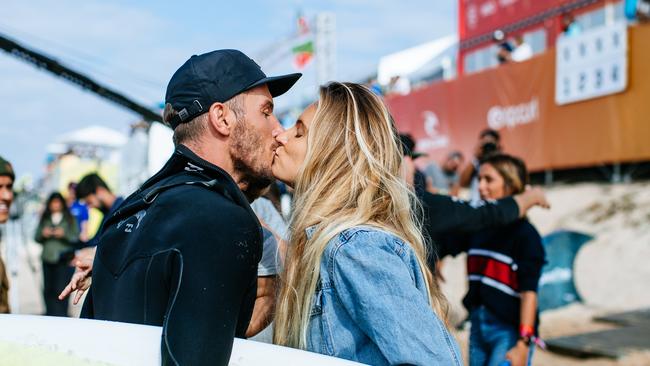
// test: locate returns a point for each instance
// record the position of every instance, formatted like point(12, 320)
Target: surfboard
point(28, 340)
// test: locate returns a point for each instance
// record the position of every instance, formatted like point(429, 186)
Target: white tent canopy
point(93, 136)
point(413, 60)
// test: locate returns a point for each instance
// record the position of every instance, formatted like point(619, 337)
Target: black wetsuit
point(181, 253)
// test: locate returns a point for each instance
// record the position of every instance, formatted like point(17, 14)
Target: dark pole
point(43, 62)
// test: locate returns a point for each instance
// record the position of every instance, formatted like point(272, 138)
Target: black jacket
point(181, 253)
point(445, 215)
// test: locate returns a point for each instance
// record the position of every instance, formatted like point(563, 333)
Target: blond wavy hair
point(350, 177)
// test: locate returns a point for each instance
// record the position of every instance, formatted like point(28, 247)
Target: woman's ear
point(508, 188)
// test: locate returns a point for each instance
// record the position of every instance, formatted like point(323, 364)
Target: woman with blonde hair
point(355, 284)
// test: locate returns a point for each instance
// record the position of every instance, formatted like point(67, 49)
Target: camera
point(487, 149)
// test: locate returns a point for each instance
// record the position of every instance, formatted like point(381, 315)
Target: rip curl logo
point(129, 226)
point(431, 123)
point(193, 168)
point(434, 139)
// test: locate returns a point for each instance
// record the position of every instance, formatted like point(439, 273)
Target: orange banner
point(518, 100)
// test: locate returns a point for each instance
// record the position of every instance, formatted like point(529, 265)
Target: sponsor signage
point(510, 116)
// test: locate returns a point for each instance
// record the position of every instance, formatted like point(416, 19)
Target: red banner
point(518, 100)
point(477, 17)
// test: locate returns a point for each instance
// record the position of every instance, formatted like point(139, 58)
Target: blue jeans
point(490, 338)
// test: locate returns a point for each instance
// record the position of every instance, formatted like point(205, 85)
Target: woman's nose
point(281, 136)
point(277, 126)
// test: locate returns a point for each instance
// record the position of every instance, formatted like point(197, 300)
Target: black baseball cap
point(408, 146)
point(6, 168)
point(218, 76)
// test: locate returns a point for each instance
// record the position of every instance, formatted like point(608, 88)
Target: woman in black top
point(57, 231)
point(504, 266)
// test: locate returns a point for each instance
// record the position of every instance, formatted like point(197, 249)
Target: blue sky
point(135, 46)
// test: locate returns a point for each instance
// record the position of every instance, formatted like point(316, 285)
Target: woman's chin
point(282, 178)
point(288, 182)
point(279, 175)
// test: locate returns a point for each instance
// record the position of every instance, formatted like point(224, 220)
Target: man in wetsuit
point(182, 251)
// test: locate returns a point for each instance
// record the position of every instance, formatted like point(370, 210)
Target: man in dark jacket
point(445, 215)
point(182, 251)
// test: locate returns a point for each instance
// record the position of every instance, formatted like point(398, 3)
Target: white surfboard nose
point(42, 341)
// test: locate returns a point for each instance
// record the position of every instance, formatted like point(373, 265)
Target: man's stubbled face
point(253, 142)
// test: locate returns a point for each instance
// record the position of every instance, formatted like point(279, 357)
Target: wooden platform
point(633, 335)
point(630, 318)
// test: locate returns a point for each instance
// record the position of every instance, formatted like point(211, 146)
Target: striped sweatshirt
point(502, 263)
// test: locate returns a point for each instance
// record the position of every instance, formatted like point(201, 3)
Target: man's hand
point(518, 355)
point(538, 197)
point(81, 279)
point(264, 306)
point(84, 258)
point(533, 196)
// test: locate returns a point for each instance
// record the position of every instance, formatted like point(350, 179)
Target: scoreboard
point(591, 64)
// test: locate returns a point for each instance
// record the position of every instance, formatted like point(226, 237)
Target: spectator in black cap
point(408, 147)
point(489, 143)
point(182, 251)
point(7, 177)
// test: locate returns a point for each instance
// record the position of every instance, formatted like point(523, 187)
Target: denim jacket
point(371, 304)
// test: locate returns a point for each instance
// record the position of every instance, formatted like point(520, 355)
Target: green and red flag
point(303, 51)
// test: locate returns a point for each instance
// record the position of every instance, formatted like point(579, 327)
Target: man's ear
point(219, 117)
